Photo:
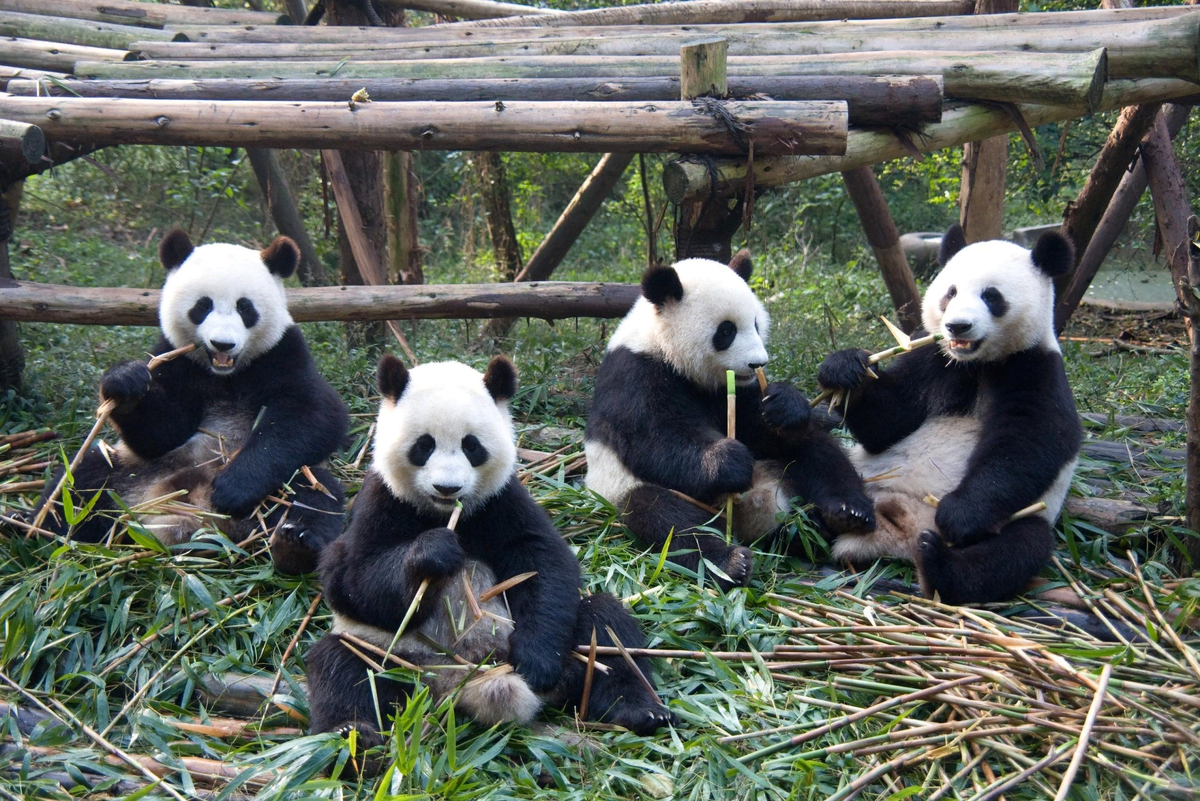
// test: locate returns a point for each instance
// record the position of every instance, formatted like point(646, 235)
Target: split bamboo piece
point(731, 432)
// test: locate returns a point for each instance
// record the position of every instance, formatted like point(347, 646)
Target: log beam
point(871, 100)
point(76, 31)
point(29, 302)
point(21, 142)
point(816, 127)
point(145, 15)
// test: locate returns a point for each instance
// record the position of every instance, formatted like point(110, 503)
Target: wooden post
point(400, 195)
point(702, 68)
point(1172, 212)
point(1192, 309)
point(285, 213)
point(981, 199)
point(497, 211)
point(1124, 199)
point(12, 357)
point(864, 191)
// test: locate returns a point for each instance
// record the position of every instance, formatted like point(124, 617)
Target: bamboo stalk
point(1084, 735)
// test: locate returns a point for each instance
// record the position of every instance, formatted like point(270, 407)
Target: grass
point(125, 639)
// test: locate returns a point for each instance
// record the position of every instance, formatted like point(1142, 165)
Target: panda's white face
point(702, 318)
point(990, 301)
point(226, 300)
point(443, 437)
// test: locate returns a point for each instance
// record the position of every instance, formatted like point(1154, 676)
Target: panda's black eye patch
point(995, 301)
point(199, 311)
point(950, 293)
point(474, 451)
point(421, 450)
point(246, 310)
point(724, 336)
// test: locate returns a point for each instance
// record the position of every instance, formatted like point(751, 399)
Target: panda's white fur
point(226, 275)
point(448, 401)
point(680, 333)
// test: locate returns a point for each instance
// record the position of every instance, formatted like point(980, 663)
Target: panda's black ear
point(661, 284)
point(500, 379)
point(281, 256)
point(953, 241)
point(174, 249)
point(391, 377)
point(740, 264)
point(1053, 253)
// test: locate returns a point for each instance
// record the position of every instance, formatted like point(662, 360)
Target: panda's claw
point(126, 382)
point(739, 566)
point(853, 516)
point(293, 551)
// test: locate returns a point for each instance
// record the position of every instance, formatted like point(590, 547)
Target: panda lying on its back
point(444, 437)
point(233, 421)
point(985, 423)
point(657, 426)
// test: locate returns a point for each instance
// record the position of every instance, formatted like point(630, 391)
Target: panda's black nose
point(958, 329)
point(756, 365)
point(447, 489)
point(221, 346)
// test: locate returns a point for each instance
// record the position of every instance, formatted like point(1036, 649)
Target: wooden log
point(145, 15)
point(46, 77)
point(1060, 79)
point(467, 9)
point(285, 213)
point(21, 141)
point(967, 123)
point(702, 68)
point(1129, 191)
point(579, 20)
point(12, 355)
point(39, 55)
point(497, 211)
point(400, 210)
point(30, 302)
point(908, 100)
point(884, 239)
point(75, 31)
point(1112, 515)
point(1192, 484)
point(772, 127)
point(700, 12)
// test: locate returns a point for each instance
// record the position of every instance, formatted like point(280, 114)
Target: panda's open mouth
point(963, 346)
point(221, 362)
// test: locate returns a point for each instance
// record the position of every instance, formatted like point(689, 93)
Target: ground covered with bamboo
point(116, 661)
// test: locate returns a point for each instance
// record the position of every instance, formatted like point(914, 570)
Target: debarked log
point(685, 181)
point(39, 55)
point(30, 302)
point(872, 100)
point(75, 31)
point(146, 15)
point(771, 127)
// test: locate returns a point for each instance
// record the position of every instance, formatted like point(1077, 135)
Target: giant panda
point(985, 423)
point(232, 422)
point(444, 437)
point(657, 425)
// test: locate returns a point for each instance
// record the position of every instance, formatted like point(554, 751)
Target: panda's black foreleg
point(314, 519)
point(340, 695)
point(91, 476)
point(655, 514)
point(618, 695)
point(994, 569)
point(821, 474)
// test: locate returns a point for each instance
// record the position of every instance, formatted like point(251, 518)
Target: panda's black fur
point(985, 422)
point(268, 414)
point(397, 538)
point(657, 425)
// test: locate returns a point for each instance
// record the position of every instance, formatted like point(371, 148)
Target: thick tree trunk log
point(884, 239)
point(12, 356)
point(76, 31)
point(1173, 213)
point(1100, 242)
point(684, 180)
point(38, 55)
point(26, 301)
point(21, 142)
point(908, 100)
point(285, 213)
point(817, 127)
point(497, 212)
point(146, 15)
point(981, 197)
point(1072, 79)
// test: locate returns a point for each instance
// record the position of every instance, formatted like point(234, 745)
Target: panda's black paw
point(644, 717)
point(958, 522)
point(843, 369)
point(233, 496)
point(435, 554)
point(739, 566)
point(931, 560)
point(730, 466)
point(125, 383)
point(367, 737)
point(855, 515)
point(784, 407)
point(294, 550)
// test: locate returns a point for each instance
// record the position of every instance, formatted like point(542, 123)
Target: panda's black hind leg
point(313, 521)
point(821, 474)
point(653, 514)
point(617, 696)
point(994, 569)
point(91, 476)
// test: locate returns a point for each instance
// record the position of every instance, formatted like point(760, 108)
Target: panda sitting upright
point(444, 437)
point(232, 422)
point(657, 426)
point(985, 424)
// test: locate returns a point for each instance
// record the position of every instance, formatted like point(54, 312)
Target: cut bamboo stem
point(731, 432)
point(1085, 734)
